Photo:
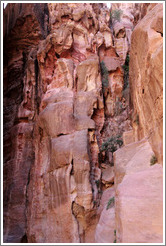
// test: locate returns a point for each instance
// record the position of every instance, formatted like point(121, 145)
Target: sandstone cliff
point(66, 91)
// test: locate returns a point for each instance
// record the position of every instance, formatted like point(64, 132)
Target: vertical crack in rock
point(79, 213)
point(37, 98)
point(66, 110)
point(77, 221)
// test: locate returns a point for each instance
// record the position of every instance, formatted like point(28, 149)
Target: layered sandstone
point(138, 173)
point(64, 95)
point(22, 33)
point(54, 120)
point(139, 195)
point(146, 78)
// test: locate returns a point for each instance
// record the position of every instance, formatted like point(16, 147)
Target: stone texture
point(16, 176)
point(123, 28)
point(139, 207)
point(132, 158)
point(108, 176)
point(146, 78)
point(56, 116)
point(64, 172)
point(121, 45)
point(128, 137)
point(112, 63)
point(105, 228)
point(22, 32)
point(86, 79)
point(138, 188)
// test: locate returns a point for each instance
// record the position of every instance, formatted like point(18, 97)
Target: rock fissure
point(82, 121)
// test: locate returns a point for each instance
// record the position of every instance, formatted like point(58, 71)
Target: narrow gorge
point(83, 123)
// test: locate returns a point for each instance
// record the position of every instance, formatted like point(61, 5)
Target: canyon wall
point(22, 33)
point(66, 91)
point(138, 165)
point(146, 78)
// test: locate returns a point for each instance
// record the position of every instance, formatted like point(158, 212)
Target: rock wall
point(51, 164)
point(138, 165)
point(22, 33)
point(146, 79)
point(65, 93)
point(139, 195)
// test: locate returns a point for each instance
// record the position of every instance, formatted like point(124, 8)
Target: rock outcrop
point(52, 125)
point(146, 79)
point(138, 165)
point(22, 33)
point(66, 91)
point(139, 195)
point(105, 230)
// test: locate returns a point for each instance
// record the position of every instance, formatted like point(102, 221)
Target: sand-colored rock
point(53, 115)
point(106, 226)
point(131, 159)
point(112, 63)
point(61, 151)
point(119, 30)
point(128, 137)
point(57, 115)
point(55, 209)
point(88, 74)
point(138, 199)
point(121, 46)
point(139, 206)
point(108, 175)
point(146, 78)
point(105, 230)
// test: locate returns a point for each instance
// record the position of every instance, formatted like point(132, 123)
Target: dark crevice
point(160, 33)
point(19, 120)
point(65, 17)
point(37, 98)
point(61, 134)
point(36, 71)
point(42, 16)
point(24, 239)
point(20, 8)
point(24, 59)
point(57, 55)
point(46, 12)
point(41, 133)
point(72, 169)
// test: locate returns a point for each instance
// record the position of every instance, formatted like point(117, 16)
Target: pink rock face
point(139, 207)
point(105, 230)
point(128, 137)
point(132, 158)
point(146, 78)
point(58, 112)
point(64, 172)
point(139, 195)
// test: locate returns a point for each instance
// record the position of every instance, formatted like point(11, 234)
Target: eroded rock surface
point(138, 176)
point(65, 93)
point(146, 78)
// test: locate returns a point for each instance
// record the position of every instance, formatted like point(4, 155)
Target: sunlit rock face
point(146, 78)
point(138, 165)
point(139, 195)
point(52, 61)
point(64, 95)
